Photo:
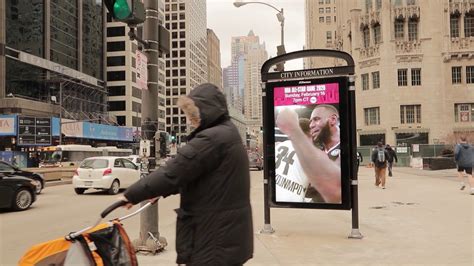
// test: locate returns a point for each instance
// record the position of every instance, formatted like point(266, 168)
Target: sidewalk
point(422, 218)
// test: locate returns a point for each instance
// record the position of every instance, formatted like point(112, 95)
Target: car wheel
point(39, 186)
point(23, 199)
point(114, 188)
point(79, 191)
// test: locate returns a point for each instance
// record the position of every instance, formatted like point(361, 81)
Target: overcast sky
point(228, 21)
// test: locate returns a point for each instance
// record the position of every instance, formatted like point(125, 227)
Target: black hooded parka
point(211, 174)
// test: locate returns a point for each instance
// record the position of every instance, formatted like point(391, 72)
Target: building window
point(470, 74)
point(365, 81)
point(411, 2)
point(116, 90)
point(328, 36)
point(376, 79)
point(378, 4)
point(115, 31)
point(402, 77)
point(399, 29)
point(328, 2)
point(368, 5)
point(464, 112)
point(413, 30)
point(115, 75)
point(469, 24)
point(321, 11)
point(121, 120)
point(328, 19)
point(456, 74)
point(321, 2)
point(117, 106)
point(372, 116)
point(410, 114)
point(366, 37)
point(328, 10)
point(454, 26)
point(115, 60)
point(416, 76)
point(321, 19)
point(377, 34)
point(115, 46)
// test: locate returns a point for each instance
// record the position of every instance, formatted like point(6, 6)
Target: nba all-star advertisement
point(307, 135)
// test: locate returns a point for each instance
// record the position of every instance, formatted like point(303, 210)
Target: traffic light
point(173, 137)
point(131, 12)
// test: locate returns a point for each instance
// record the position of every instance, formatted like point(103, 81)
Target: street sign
point(34, 131)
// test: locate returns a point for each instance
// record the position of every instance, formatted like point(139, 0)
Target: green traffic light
point(122, 9)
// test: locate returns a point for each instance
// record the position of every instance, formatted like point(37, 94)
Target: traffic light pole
point(150, 239)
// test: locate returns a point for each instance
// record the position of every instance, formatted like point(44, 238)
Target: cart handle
point(112, 207)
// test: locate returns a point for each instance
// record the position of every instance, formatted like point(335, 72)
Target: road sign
point(34, 130)
point(145, 147)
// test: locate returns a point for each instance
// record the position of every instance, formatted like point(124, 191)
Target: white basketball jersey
point(290, 179)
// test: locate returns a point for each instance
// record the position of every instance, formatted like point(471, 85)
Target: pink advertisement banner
point(307, 94)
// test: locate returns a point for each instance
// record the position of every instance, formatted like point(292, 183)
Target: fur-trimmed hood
point(205, 106)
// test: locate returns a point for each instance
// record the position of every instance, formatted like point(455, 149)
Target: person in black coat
point(211, 174)
point(392, 155)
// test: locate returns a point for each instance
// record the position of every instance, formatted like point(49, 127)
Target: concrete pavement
point(422, 218)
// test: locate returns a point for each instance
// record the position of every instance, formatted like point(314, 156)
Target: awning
point(373, 132)
point(411, 130)
point(463, 129)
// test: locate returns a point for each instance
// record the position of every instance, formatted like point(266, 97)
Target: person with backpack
point(391, 156)
point(379, 158)
point(464, 157)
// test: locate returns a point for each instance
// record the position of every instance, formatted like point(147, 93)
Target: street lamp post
point(281, 19)
point(60, 113)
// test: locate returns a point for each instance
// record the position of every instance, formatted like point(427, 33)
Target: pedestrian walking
point(464, 157)
point(211, 174)
point(359, 160)
point(392, 155)
point(379, 159)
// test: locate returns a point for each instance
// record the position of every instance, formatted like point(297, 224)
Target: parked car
point(7, 168)
point(105, 173)
point(135, 159)
point(16, 192)
point(255, 161)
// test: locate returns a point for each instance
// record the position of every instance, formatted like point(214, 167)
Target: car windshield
point(95, 163)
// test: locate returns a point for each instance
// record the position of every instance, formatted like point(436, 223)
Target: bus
point(72, 155)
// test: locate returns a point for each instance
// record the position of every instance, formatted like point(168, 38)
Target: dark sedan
point(16, 192)
point(8, 169)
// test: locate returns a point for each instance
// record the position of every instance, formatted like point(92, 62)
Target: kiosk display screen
point(309, 134)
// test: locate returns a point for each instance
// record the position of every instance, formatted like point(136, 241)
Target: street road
point(422, 218)
point(59, 211)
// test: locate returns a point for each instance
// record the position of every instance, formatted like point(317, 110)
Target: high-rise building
point(45, 44)
point(415, 81)
point(186, 64)
point(321, 25)
point(214, 70)
point(124, 57)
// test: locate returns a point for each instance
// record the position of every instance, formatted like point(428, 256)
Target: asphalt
point(421, 218)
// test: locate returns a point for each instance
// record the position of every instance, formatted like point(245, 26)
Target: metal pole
point(60, 113)
point(267, 227)
point(355, 233)
point(149, 233)
point(282, 29)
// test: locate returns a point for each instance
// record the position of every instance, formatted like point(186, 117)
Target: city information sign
point(321, 109)
point(34, 131)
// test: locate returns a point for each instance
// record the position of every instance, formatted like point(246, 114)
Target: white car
point(135, 159)
point(106, 173)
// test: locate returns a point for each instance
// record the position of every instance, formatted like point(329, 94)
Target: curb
point(57, 183)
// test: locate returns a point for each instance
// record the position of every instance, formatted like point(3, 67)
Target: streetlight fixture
point(281, 19)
